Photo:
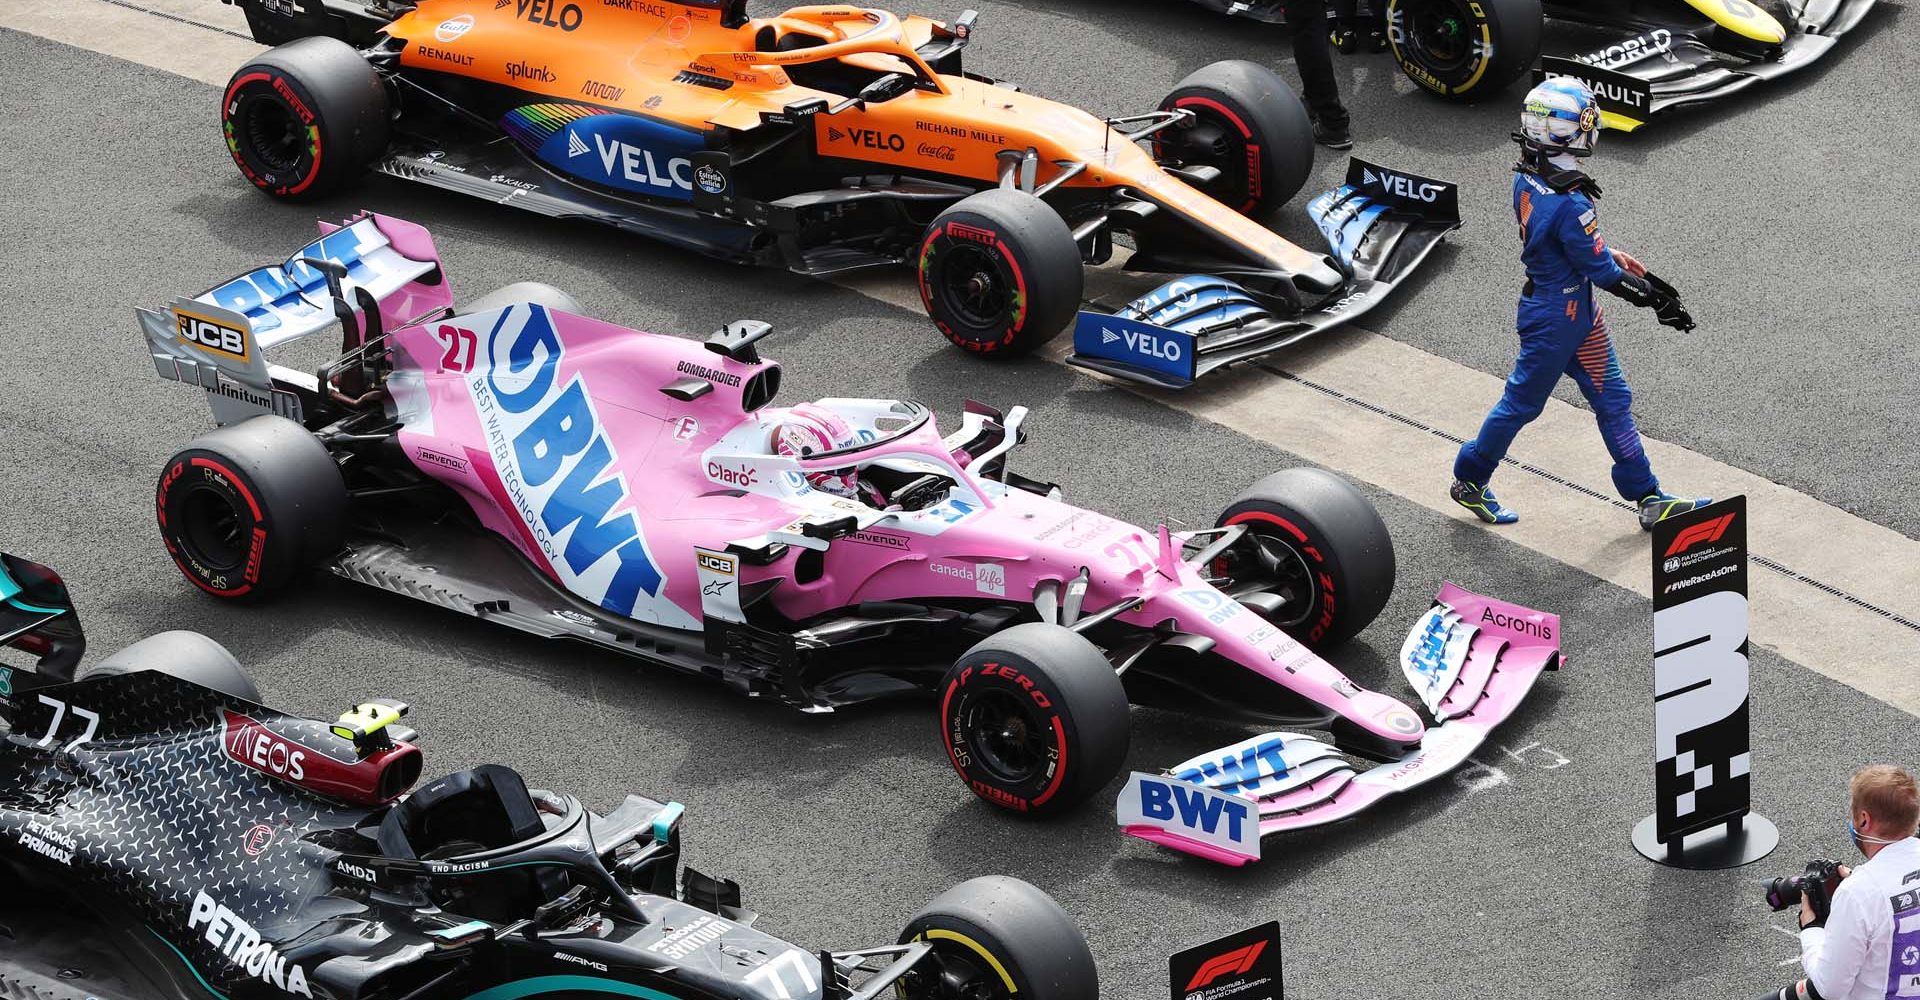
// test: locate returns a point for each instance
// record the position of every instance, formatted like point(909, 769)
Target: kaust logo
point(559, 471)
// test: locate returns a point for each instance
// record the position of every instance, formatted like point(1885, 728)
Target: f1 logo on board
point(1240, 966)
point(1402, 186)
point(1235, 961)
point(1706, 531)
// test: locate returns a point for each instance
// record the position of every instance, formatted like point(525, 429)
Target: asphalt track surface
point(1513, 880)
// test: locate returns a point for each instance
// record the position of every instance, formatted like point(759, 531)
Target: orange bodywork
point(636, 56)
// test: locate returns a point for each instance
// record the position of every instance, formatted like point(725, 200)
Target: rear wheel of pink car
point(998, 938)
point(303, 118)
point(1000, 273)
point(1034, 719)
point(245, 509)
point(1249, 125)
point(1316, 559)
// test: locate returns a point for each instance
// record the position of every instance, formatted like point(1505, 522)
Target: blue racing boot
point(1482, 502)
point(1658, 506)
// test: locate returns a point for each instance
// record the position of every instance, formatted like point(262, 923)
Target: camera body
point(1815, 884)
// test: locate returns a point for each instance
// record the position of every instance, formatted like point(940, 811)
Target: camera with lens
point(1814, 884)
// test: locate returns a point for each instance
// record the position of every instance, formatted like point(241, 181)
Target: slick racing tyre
point(1000, 273)
point(189, 656)
point(1315, 544)
point(1464, 48)
point(998, 938)
point(246, 508)
point(304, 118)
point(1250, 126)
point(1034, 719)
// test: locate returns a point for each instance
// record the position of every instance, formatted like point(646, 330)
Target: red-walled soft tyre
point(302, 119)
point(245, 509)
point(1000, 273)
point(1316, 540)
point(1247, 123)
point(1034, 719)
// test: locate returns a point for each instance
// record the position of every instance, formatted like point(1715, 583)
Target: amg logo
point(561, 956)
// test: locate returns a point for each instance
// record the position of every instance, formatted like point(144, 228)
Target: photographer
point(1866, 944)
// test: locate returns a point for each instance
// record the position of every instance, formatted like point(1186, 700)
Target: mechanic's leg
point(1313, 54)
point(1545, 349)
point(1595, 368)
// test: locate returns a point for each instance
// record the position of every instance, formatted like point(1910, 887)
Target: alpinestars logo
point(1232, 963)
point(1705, 531)
point(240, 944)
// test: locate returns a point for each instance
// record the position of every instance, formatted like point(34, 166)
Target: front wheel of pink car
point(1034, 719)
point(1316, 559)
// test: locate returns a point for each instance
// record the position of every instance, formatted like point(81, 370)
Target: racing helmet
point(805, 430)
point(1560, 116)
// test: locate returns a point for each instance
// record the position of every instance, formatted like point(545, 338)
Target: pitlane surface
point(840, 827)
point(1773, 212)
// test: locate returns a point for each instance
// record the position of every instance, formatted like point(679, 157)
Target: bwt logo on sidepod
point(558, 470)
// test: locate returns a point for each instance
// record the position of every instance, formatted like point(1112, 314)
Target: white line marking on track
point(1375, 378)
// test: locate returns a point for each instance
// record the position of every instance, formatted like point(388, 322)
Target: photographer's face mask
point(1854, 833)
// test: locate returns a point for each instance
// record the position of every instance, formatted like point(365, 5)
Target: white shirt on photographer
point(1852, 958)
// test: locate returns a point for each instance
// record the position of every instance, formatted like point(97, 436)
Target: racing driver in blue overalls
point(1562, 329)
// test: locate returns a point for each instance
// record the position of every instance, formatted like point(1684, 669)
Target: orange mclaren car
point(836, 137)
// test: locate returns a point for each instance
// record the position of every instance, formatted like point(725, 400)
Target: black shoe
point(1332, 135)
point(1345, 40)
point(1376, 40)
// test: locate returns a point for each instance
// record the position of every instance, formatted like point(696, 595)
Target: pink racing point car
point(517, 461)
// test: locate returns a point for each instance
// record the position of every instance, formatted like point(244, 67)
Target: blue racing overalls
point(1562, 332)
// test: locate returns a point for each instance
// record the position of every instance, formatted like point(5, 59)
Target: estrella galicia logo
point(559, 473)
point(711, 179)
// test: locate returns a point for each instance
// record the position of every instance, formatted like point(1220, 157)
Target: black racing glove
point(1652, 293)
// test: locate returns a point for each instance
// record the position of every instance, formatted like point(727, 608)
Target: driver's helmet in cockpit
point(806, 430)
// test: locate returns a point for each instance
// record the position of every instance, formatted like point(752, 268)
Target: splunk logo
point(558, 470)
point(240, 944)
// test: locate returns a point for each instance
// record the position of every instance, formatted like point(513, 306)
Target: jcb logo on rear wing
point(211, 335)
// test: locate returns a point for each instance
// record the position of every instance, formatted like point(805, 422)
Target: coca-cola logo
point(933, 152)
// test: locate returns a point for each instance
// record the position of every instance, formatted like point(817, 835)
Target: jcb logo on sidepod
point(211, 336)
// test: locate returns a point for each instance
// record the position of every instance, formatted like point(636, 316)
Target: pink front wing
point(1489, 653)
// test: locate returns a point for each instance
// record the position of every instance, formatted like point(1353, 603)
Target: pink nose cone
point(1387, 717)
